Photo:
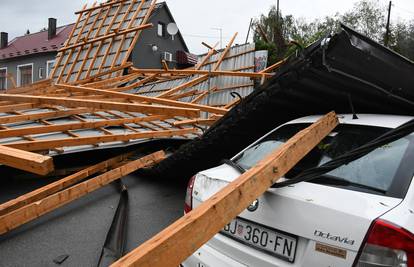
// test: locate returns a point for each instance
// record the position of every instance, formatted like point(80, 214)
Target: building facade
point(30, 58)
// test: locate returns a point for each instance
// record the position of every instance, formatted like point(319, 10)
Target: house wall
point(143, 56)
point(38, 60)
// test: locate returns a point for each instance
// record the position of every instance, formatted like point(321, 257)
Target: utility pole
point(248, 31)
point(277, 14)
point(387, 32)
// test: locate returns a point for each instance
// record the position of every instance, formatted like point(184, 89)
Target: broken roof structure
point(95, 99)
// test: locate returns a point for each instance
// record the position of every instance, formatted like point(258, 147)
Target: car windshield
point(377, 170)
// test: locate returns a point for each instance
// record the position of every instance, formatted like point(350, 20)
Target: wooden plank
point(108, 29)
point(203, 77)
point(184, 85)
point(59, 56)
point(204, 72)
point(135, 39)
point(74, 103)
point(34, 210)
point(138, 28)
point(225, 52)
point(133, 97)
point(136, 84)
point(75, 126)
point(207, 122)
point(27, 161)
point(43, 115)
point(178, 241)
point(99, 75)
point(211, 52)
point(274, 66)
point(102, 5)
point(15, 107)
point(61, 184)
point(263, 33)
point(40, 145)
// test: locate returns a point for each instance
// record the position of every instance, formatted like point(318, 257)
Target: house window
point(161, 29)
point(24, 74)
point(41, 73)
point(49, 67)
point(3, 78)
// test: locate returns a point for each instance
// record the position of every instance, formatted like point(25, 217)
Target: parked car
point(360, 214)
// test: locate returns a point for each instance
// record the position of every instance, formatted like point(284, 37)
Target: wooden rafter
point(40, 145)
point(26, 161)
point(133, 97)
point(32, 211)
point(74, 103)
point(177, 242)
point(54, 187)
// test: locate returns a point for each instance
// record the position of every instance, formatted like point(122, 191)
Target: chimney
point(52, 28)
point(4, 36)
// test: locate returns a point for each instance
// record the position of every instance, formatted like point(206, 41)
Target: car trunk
point(330, 220)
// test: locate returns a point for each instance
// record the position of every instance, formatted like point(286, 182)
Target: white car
point(360, 214)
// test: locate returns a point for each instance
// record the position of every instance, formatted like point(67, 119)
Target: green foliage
point(367, 17)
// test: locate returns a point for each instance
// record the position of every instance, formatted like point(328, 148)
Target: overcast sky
point(195, 18)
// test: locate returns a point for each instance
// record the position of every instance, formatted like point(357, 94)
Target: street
point(80, 228)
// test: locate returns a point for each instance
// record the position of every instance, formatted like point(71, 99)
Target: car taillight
point(387, 245)
point(188, 204)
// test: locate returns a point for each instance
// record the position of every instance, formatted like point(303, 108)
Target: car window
point(377, 169)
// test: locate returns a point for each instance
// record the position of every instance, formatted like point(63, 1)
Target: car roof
point(378, 120)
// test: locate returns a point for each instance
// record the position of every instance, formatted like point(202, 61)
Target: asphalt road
point(79, 229)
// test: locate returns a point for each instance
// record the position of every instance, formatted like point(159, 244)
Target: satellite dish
point(172, 29)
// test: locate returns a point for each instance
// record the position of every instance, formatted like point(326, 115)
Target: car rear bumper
point(207, 256)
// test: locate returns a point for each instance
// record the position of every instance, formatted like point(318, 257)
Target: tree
point(367, 17)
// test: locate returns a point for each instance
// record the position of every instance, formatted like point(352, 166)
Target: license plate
point(260, 237)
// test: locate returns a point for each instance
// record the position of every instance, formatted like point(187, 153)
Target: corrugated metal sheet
point(239, 58)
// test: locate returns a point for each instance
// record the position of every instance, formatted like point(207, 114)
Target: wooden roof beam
point(203, 72)
point(134, 97)
point(40, 145)
point(34, 210)
point(102, 105)
point(178, 241)
point(26, 161)
point(51, 128)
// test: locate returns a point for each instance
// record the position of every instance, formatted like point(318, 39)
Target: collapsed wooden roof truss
point(102, 38)
point(90, 102)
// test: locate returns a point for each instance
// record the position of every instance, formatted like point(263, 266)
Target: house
point(156, 44)
point(30, 58)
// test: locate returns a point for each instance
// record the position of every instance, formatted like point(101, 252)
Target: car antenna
point(351, 104)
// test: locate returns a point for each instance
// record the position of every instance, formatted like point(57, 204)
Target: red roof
point(36, 43)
